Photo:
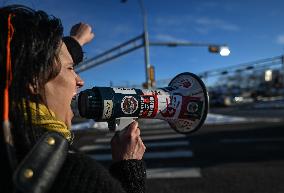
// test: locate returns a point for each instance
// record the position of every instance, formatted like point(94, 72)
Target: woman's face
point(60, 90)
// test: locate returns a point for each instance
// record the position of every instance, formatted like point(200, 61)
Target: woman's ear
point(33, 88)
point(36, 93)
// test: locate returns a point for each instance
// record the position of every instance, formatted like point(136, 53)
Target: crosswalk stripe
point(156, 126)
point(94, 147)
point(172, 154)
point(252, 140)
point(158, 131)
point(151, 137)
point(184, 172)
point(151, 155)
point(151, 132)
point(167, 143)
point(147, 144)
point(159, 137)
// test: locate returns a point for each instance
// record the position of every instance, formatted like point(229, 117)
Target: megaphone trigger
point(118, 124)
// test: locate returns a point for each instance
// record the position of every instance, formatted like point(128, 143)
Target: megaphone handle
point(119, 124)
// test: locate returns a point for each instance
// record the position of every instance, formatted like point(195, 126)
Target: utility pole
point(146, 45)
point(282, 60)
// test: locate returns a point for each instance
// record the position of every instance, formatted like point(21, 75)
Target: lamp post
point(282, 60)
point(146, 44)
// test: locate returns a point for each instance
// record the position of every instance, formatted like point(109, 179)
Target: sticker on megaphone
point(183, 104)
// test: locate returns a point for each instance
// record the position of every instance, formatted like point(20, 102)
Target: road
point(229, 158)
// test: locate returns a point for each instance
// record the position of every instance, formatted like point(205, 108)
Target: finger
point(93, 35)
point(136, 144)
point(75, 28)
point(115, 137)
point(141, 143)
point(131, 129)
point(138, 132)
point(134, 124)
point(140, 149)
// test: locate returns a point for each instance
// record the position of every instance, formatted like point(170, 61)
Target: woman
point(40, 86)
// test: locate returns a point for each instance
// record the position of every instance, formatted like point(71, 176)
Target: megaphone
point(183, 104)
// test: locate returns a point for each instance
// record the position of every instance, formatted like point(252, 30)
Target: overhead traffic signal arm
point(111, 54)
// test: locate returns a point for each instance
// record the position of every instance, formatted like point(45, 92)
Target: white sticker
point(153, 92)
point(129, 105)
point(108, 106)
point(124, 90)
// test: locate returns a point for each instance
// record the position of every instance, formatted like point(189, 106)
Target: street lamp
point(223, 50)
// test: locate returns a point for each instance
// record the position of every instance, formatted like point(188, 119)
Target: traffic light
point(145, 85)
point(213, 49)
point(152, 73)
point(151, 78)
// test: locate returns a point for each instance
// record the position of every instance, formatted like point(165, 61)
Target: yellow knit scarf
point(44, 117)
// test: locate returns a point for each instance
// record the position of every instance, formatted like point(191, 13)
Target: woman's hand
point(128, 144)
point(82, 33)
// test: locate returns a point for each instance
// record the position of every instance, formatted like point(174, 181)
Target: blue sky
point(253, 29)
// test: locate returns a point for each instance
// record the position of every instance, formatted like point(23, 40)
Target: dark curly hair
point(34, 50)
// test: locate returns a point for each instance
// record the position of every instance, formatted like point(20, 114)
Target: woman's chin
point(68, 124)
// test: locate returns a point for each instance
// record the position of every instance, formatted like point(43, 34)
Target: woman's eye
point(71, 68)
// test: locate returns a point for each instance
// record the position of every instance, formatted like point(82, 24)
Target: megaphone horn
point(183, 104)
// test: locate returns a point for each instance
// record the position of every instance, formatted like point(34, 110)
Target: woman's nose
point(79, 81)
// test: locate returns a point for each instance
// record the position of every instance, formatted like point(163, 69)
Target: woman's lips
point(74, 95)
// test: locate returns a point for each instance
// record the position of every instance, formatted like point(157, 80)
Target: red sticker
point(171, 108)
point(149, 106)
